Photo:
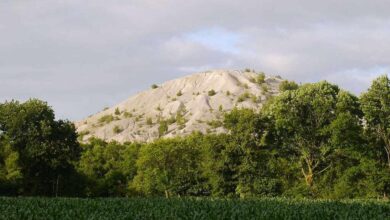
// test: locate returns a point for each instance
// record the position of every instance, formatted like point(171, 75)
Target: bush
point(287, 85)
point(244, 97)
point(215, 124)
point(154, 86)
point(260, 78)
point(127, 114)
point(106, 119)
point(117, 129)
point(149, 121)
point(264, 88)
point(163, 128)
point(117, 111)
point(179, 93)
point(212, 92)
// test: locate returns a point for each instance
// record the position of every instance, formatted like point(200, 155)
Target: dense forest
point(313, 140)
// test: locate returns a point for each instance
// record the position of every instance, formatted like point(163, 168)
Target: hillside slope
point(178, 107)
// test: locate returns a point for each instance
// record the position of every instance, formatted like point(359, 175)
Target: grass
point(159, 208)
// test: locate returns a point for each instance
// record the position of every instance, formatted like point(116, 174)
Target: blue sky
point(81, 56)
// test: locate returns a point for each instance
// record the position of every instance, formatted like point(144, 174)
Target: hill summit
point(178, 107)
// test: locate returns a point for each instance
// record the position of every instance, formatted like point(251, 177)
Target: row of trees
point(313, 140)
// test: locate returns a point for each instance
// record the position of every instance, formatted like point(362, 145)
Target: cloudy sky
point(83, 55)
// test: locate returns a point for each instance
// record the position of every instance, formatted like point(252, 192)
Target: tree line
point(314, 141)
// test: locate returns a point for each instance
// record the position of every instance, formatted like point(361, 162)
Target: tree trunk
point(308, 177)
point(309, 174)
point(166, 194)
point(58, 178)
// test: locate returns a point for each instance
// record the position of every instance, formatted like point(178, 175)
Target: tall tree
point(236, 164)
point(108, 167)
point(170, 167)
point(311, 120)
point(376, 108)
point(46, 148)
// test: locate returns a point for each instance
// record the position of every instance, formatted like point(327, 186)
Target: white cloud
point(83, 55)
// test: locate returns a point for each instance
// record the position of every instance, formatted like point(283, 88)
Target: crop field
point(158, 208)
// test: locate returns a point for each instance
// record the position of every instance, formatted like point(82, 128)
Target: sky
point(82, 56)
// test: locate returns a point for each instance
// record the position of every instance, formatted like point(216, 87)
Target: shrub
point(179, 93)
point(149, 121)
point(106, 119)
point(264, 88)
point(244, 97)
point(215, 124)
point(127, 114)
point(162, 128)
point(117, 129)
point(287, 85)
point(154, 86)
point(117, 111)
point(254, 99)
point(260, 78)
point(212, 92)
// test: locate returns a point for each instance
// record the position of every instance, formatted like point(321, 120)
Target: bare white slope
point(139, 117)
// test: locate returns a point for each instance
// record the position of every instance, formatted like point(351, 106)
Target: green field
point(144, 208)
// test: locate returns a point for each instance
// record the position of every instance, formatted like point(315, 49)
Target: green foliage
point(127, 114)
point(106, 119)
point(264, 88)
point(315, 122)
point(117, 129)
point(159, 173)
point(312, 141)
point(286, 85)
point(37, 151)
point(376, 108)
point(108, 167)
point(149, 121)
point(162, 128)
point(117, 111)
point(215, 123)
point(154, 86)
point(212, 93)
point(260, 79)
point(243, 97)
point(179, 93)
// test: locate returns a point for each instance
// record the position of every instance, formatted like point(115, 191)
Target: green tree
point(313, 122)
point(170, 167)
point(108, 167)
point(237, 164)
point(10, 173)
point(376, 108)
point(44, 148)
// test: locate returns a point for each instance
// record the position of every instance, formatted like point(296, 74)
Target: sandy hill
point(178, 107)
